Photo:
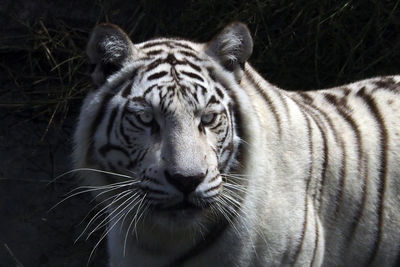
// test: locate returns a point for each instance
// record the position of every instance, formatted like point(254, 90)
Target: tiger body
point(228, 169)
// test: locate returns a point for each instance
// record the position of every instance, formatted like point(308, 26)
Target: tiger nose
point(185, 184)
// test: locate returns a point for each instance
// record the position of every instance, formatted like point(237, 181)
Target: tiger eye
point(208, 119)
point(146, 117)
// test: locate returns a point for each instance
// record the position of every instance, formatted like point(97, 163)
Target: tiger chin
point(199, 161)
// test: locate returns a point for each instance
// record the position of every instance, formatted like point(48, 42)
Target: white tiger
point(214, 166)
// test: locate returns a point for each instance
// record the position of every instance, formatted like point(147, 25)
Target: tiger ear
point(108, 49)
point(232, 47)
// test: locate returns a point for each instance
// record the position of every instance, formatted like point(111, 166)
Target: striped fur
point(226, 169)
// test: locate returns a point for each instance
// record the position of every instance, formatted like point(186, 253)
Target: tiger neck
point(269, 102)
point(155, 246)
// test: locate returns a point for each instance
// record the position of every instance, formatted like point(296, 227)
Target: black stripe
point(329, 121)
point(231, 150)
point(318, 121)
point(155, 43)
point(267, 100)
point(134, 125)
point(214, 178)
point(382, 170)
point(157, 75)
point(216, 126)
point(308, 109)
point(193, 75)
point(183, 46)
point(171, 59)
point(108, 147)
point(127, 90)
point(153, 65)
point(362, 165)
point(237, 122)
point(230, 146)
point(190, 54)
point(224, 138)
point(310, 172)
point(192, 94)
point(211, 74)
point(203, 89)
point(387, 84)
point(345, 113)
point(194, 66)
point(316, 241)
point(325, 156)
point(359, 212)
point(346, 92)
point(323, 116)
point(140, 155)
point(155, 52)
point(212, 100)
point(213, 188)
point(219, 92)
point(124, 135)
point(338, 140)
point(283, 98)
point(168, 43)
point(148, 90)
point(240, 131)
point(306, 97)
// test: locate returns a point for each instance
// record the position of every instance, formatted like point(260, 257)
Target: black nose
point(185, 184)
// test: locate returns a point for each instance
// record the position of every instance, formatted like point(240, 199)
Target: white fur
point(282, 174)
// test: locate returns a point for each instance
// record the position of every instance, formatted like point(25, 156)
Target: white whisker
point(97, 215)
point(111, 214)
point(96, 206)
point(107, 191)
point(79, 193)
point(222, 208)
point(102, 237)
point(127, 214)
point(132, 207)
point(145, 208)
point(135, 217)
point(92, 170)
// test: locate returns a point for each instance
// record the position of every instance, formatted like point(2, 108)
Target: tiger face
point(162, 118)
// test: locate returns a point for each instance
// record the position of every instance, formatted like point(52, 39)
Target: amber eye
point(208, 119)
point(145, 117)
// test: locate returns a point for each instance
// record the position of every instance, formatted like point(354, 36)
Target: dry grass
point(298, 45)
point(46, 70)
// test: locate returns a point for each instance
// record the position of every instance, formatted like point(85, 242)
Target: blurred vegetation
point(299, 45)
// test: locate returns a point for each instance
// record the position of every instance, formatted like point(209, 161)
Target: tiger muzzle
point(185, 184)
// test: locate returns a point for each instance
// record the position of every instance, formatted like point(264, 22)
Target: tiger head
point(162, 126)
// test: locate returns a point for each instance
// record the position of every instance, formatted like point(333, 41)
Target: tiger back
point(199, 161)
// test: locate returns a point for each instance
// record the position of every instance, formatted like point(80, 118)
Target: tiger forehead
point(171, 50)
point(174, 70)
point(167, 44)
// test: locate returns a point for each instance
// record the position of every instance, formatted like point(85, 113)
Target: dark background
point(299, 45)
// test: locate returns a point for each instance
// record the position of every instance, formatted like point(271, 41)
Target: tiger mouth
point(184, 205)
